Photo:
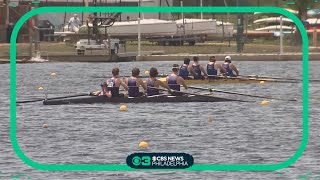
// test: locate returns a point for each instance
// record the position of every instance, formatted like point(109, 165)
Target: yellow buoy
point(143, 144)
point(40, 88)
point(261, 82)
point(53, 74)
point(264, 102)
point(123, 108)
point(146, 72)
point(45, 125)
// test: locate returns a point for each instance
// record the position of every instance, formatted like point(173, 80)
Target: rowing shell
point(144, 99)
point(229, 80)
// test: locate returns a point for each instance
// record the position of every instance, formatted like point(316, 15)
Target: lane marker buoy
point(264, 102)
point(143, 144)
point(53, 74)
point(123, 108)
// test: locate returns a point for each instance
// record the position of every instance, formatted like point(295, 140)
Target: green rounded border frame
point(124, 167)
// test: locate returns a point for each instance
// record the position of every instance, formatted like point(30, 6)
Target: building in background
point(16, 8)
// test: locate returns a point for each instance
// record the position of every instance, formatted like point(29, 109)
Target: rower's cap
point(227, 58)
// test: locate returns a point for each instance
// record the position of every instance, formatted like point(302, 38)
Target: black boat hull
point(144, 99)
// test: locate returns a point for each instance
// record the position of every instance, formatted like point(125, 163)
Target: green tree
point(302, 7)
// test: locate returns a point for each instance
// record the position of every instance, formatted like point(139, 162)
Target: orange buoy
point(53, 74)
point(264, 102)
point(143, 144)
point(123, 108)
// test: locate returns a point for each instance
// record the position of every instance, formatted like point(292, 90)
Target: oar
point(241, 94)
point(63, 97)
point(204, 95)
point(292, 79)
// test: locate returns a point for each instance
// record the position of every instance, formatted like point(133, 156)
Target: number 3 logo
point(145, 160)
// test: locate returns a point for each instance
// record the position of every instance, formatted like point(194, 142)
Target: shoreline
point(235, 57)
point(166, 57)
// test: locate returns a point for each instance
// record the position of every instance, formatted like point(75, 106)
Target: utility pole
point(201, 15)
point(6, 2)
point(95, 22)
point(239, 37)
point(139, 32)
point(36, 31)
point(139, 4)
point(30, 32)
point(281, 36)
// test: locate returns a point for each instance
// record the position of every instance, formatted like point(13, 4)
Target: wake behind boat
point(144, 99)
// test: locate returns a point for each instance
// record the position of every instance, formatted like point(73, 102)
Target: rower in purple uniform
point(184, 69)
point(134, 82)
point(213, 67)
point(174, 81)
point(112, 85)
point(230, 68)
point(153, 83)
point(198, 69)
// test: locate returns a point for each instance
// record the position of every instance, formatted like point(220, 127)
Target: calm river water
point(214, 133)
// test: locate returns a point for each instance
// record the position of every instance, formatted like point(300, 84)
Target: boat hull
point(221, 81)
point(144, 99)
point(227, 81)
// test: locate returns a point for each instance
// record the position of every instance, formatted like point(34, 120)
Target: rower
point(174, 81)
point(153, 83)
point(213, 67)
point(111, 86)
point(134, 82)
point(197, 68)
point(230, 68)
point(183, 71)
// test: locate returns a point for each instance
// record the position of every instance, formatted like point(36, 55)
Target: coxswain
point(184, 70)
point(112, 85)
point(153, 83)
point(230, 68)
point(198, 69)
point(134, 82)
point(213, 67)
point(174, 81)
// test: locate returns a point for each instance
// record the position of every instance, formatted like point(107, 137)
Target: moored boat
point(144, 99)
